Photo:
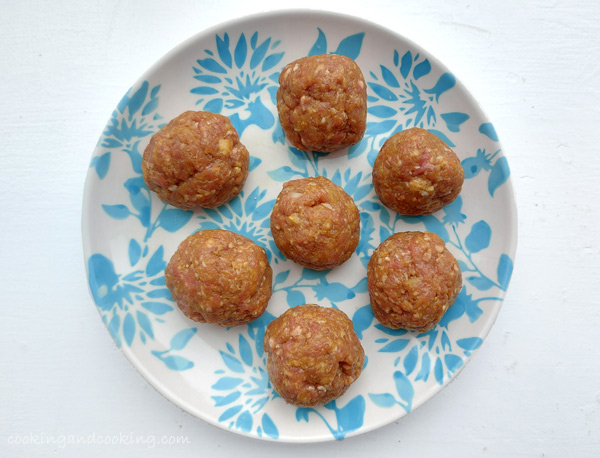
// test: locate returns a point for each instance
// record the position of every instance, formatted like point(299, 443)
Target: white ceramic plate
point(129, 235)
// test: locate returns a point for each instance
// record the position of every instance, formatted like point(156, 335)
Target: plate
point(129, 235)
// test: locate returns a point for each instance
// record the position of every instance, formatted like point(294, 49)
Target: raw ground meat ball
point(416, 173)
point(218, 276)
point(412, 279)
point(315, 223)
point(322, 103)
point(196, 160)
point(313, 353)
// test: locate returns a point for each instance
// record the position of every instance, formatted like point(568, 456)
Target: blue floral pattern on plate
point(220, 374)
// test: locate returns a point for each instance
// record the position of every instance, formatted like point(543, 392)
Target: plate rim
point(88, 215)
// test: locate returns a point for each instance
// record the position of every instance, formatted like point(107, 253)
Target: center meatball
point(196, 160)
point(314, 355)
point(315, 223)
point(218, 276)
point(322, 103)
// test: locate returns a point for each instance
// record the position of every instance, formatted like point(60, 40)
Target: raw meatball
point(196, 160)
point(413, 279)
point(416, 173)
point(322, 103)
point(218, 276)
point(313, 353)
point(315, 223)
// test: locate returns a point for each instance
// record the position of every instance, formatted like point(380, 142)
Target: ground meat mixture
point(196, 160)
point(313, 353)
point(315, 223)
point(322, 103)
point(218, 276)
point(416, 173)
point(412, 279)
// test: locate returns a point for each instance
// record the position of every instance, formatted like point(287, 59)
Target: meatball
point(416, 173)
point(322, 103)
point(218, 276)
point(412, 279)
point(315, 223)
point(313, 354)
point(196, 160)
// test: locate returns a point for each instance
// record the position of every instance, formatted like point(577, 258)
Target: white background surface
point(532, 389)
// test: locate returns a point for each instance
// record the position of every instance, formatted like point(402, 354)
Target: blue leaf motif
point(241, 51)
point(302, 414)
point(362, 320)
point(454, 120)
point(224, 400)
point(173, 219)
point(479, 237)
point(102, 164)
point(211, 65)
point(245, 351)
point(135, 252)
point(406, 64)
point(284, 173)
point(383, 92)
point(145, 323)
point(116, 211)
point(383, 400)
point(389, 77)
point(229, 413)
point(425, 367)
point(269, 427)
point(442, 136)
point(469, 343)
point(410, 362)
point(204, 90)
point(259, 53)
point(504, 271)
point(453, 362)
point(129, 329)
point(158, 308)
point(137, 100)
point(446, 82)
point(405, 389)
point(438, 371)
point(181, 339)
point(335, 292)
point(351, 416)
point(113, 328)
point(223, 49)
point(422, 69)
point(156, 263)
point(281, 277)
point(395, 346)
point(227, 383)
point(210, 79)
point(254, 162)
point(382, 111)
point(320, 46)
point(271, 61)
point(244, 421)
point(160, 293)
point(487, 129)
point(295, 297)
point(214, 105)
point(481, 283)
point(351, 46)
point(177, 363)
point(498, 175)
point(375, 128)
point(232, 362)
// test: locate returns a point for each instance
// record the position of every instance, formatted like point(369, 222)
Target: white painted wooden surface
point(533, 389)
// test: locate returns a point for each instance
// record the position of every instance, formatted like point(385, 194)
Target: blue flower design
point(235, 76)
point(134, 118)
point(131, 304)
point(348, 418)
point(243, 386)
point(397, 97)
